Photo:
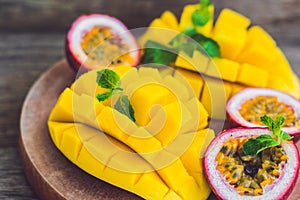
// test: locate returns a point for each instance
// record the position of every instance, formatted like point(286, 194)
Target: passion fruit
point(100, 40)
point(246, 107)
point(271, 174)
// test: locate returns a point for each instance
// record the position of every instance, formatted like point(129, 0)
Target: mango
point(230, 32)
point(223, 68)
point(186, 19)
point(193, 79)
point(170, 19)
point(251, 75)
point(197, 63)
point(214, 97)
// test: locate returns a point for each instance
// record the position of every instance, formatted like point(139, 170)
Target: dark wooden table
point(32, 37)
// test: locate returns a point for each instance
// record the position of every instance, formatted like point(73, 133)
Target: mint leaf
point(255, 145)
point(210, 46)
point(104, 96)
point(190, 31)
point(184, 43)
point(123, 106)
point(158, 54)
point(107, 78)
point(273, 125)
point(200, 17)
point(285, 136)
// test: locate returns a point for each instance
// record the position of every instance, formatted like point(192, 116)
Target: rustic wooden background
point(32, 39)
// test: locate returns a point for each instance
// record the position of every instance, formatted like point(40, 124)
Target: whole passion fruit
point(246, 107)
point(271, 174)
point(100, 40)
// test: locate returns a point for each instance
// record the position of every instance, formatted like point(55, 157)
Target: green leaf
point(200, 17)
point(107, 78)
point(123, 106)
point(184, 43)
point(104, 96)
point(190, 31)
point(210, 46)
point(158, 54)
point(285, 136)
point(255, 145)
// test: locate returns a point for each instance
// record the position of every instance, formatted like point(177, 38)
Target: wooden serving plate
point(52, 175)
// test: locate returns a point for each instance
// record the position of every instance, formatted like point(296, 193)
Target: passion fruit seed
point(101, 45)
point(252, 109)
point(249, 174)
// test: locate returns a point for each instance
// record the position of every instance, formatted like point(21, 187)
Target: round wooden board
point(51, 175)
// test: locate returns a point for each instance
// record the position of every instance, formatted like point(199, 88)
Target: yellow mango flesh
point(188, 77)
point(230, 31)
point(197, 63)
point(142, 102)
point(223, 68)
point(214, 97)
point(170, 19)
point(251, 75)
point(131, 157)
point(186, 19)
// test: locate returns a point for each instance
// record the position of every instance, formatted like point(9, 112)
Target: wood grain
point(32, 38)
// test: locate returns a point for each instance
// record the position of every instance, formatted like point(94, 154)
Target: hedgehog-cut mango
point(249, 57)
point(148, 157)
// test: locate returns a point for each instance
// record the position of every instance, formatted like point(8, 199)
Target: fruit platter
point(195, 107)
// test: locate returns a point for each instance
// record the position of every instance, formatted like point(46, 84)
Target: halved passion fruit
point(271, 174)
point(99, 40)
point(246, 107)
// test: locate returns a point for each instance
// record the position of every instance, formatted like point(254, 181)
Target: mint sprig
point(255, 145)
point(123, 106)
point(201, 16)
point(110, 80)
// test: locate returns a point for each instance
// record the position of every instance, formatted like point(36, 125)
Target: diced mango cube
point(115, 124)
point(170, 19)
point(63, 109)
point(203, 184)
point(232, 18)
point(192, 157)
point(252, 76)
point(143, 142)
point(171, 169)
point(172, 117)
point(191, 79)
point(171, 195)
point(186, 19)
point(230, 32)
point(190, 190)
point(197, 63)
point(223, 68)
point(149, 71)
point(150, 186)
point(143, 99)
point(122, 70)
point(71, 144)
point(89, 163)
point(179, 90)
point(214, 97)
point(198, 113)
point(56, 130)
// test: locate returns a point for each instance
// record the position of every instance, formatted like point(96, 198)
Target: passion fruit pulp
point(246, 107)
point(270, 175)
point(98, 40)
